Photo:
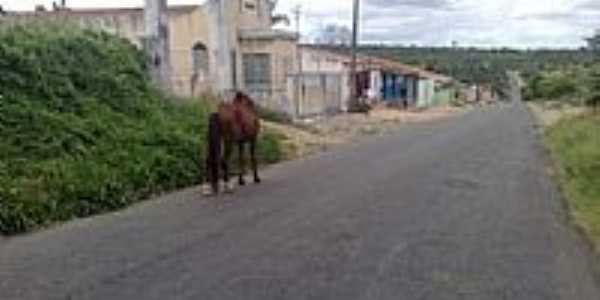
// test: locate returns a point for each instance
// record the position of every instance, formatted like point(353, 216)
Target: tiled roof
point(367, 61)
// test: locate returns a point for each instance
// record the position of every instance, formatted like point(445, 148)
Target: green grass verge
point(575, 146)
point(83, 132)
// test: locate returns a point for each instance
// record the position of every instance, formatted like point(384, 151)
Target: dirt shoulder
point(318, 134)
point(549, 113)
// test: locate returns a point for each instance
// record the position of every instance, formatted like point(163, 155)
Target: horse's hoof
point(242, 182)
point(257, 180)
point(207, 191)
point(229, 187)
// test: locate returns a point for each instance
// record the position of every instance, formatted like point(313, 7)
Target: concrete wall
point(485, 94)
point(444, 96)
point(320, 93)
point(432, 95)
point(188, 29)
point(259, 17)
point(314, 60)
point(283, 63)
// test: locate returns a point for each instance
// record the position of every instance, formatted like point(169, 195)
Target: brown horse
point(236, 122)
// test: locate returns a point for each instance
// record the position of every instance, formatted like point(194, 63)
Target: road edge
point(566, 215)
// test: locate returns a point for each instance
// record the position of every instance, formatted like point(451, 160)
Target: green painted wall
point(444, 96)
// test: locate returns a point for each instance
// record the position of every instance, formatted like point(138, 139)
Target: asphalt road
point(458, 209)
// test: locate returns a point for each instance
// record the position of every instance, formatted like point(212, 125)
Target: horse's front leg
point(242, 181)
point(253, 160)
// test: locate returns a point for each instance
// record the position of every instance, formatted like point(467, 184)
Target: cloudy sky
point(485, 23)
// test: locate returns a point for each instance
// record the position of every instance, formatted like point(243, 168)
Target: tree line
point(483, 66)
point(474, 65)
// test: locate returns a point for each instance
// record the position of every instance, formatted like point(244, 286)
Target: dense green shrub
point(553, 85)
point(593, 99)
point(571, 84)
point(82, 131)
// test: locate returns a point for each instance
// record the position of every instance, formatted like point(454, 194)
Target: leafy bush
point(83, 132)
point(553, 85)
point(593, 99)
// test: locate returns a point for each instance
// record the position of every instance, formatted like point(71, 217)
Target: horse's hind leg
point(209, 187)
point(225, 166)
point(253, 160)
point(242, 181)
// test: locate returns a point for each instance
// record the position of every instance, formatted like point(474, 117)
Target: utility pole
point(353, 103)
point(157, 41)
point(220, 32)
point(297, 11)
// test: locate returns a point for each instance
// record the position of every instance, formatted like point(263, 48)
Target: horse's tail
point(214, 149)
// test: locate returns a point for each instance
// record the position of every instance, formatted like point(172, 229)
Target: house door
point(234, 82)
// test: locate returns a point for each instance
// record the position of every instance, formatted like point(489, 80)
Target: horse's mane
point(239, 96)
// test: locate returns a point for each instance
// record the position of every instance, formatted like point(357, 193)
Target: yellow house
point(220, 46)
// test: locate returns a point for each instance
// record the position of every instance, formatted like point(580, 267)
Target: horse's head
point(243, 99)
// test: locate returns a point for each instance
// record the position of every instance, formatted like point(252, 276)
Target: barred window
point(257, 69)
point(200, 60)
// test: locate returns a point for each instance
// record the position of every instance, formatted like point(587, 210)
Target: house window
point(200, 58)
point(248, 6)
point(257, 70)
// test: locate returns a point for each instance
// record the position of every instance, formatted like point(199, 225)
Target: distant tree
point(487, 66)
point(333, 34)
point(558, 84)
point(594, 41)
point(62, 5)
point(272, 5)
point(40, 7)
point(277, 18)
point(430, 67)
point(594, 99)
